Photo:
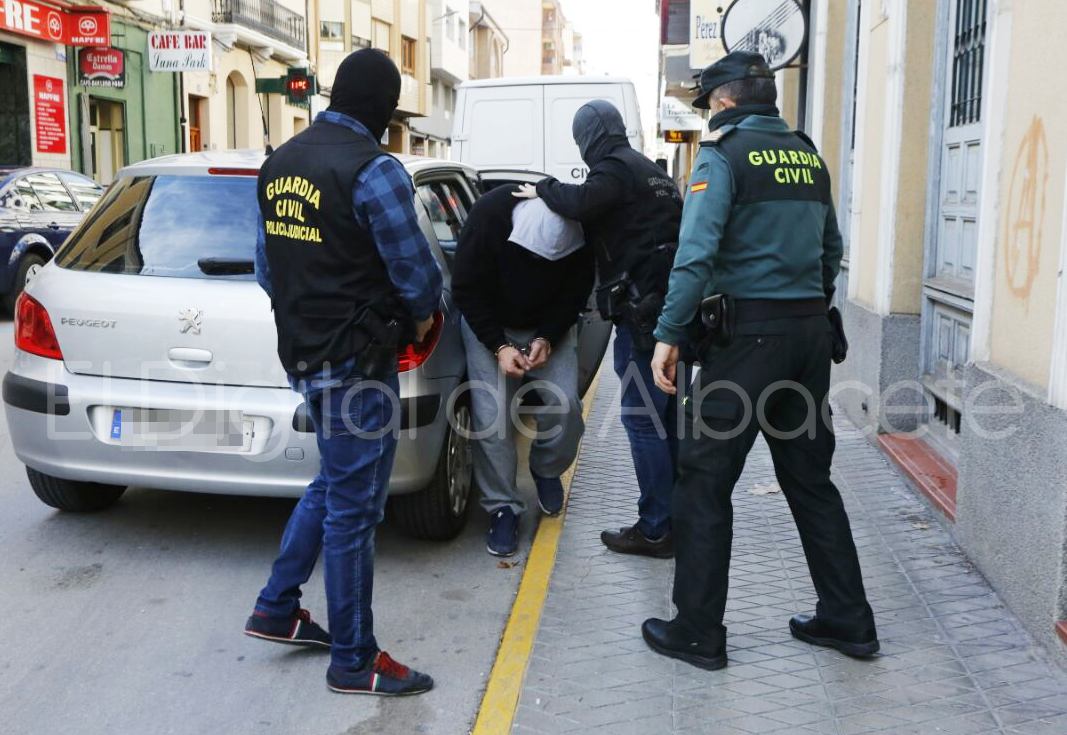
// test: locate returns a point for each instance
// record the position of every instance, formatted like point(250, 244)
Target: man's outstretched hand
point(664, 367)
point(526, 191)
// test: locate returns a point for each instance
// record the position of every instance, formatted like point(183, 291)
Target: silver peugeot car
point(146, 352)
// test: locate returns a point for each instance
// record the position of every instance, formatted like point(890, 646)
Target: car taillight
point(411, 356)
point(33, 329)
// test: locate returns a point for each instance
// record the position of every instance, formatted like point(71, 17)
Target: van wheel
point(438, 512)
point(71, 495)
point(29, 266)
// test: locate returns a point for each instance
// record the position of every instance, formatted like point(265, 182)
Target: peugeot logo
point(190, 320)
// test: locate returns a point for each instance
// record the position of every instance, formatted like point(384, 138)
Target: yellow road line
point(509, 671)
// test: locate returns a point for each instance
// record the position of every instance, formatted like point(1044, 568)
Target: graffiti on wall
point(1025, 215)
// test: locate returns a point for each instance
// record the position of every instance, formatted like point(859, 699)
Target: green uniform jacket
point(772, 248)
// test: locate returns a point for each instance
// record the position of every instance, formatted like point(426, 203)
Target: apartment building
point(450, 59)
point(488, 43)
point(400, 28)
point(251, 39)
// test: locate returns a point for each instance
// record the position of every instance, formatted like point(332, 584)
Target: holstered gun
point(377, 359)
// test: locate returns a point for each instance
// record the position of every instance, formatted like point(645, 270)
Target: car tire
point(28, 263)
point(71, 495)
point(438, 512)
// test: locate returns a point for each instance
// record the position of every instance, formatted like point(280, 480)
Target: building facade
point(951, 187)
point(251, 39)
point(488, 43)
point(33, 85)
point(78, 93)
point(400, 28)
point(450, 58)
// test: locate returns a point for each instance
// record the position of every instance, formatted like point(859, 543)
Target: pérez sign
point(705, 33)
point(102, 67)
point(777, 29)
point(179, 51)
point(70, 27)
point(49, 116)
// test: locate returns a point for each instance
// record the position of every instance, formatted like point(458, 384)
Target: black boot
point(810, 629)
point(631, 541)
point(668, 639)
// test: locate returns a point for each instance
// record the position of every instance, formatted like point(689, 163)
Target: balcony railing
point(266, 16)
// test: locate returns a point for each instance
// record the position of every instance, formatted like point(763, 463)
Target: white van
point(524, 123)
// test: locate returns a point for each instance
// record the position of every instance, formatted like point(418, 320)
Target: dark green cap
point(730, 68)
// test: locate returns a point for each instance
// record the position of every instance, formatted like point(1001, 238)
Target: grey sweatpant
point(494, 406)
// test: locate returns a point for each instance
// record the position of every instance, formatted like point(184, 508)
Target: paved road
point(129, 621)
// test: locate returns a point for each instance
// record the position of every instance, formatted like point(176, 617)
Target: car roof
point(198, 164)
point(8, 172)
point(551, 79)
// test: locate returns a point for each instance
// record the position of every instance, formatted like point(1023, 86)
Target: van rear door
point(562, 159)
point(502, 127)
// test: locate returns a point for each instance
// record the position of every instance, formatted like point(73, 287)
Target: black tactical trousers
point(772, 379)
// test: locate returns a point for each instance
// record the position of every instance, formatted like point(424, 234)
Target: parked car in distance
point(38, 209)
point(524, 123)
point(146, 353)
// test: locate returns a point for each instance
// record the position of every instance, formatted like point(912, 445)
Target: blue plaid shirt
point(383, 202)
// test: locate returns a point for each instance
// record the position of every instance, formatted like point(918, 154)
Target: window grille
point(967, 62)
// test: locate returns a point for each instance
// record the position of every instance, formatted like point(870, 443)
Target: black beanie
point(367, 88)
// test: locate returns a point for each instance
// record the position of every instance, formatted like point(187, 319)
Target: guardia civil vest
point(325, 269)
point(773, 241)
point(773, 166)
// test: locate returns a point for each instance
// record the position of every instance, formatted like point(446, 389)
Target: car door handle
point(53, 225)
point(190, 357)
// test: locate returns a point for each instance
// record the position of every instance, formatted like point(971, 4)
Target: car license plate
point(176, 429)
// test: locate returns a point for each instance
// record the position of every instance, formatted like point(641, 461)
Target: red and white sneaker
point(383, 677)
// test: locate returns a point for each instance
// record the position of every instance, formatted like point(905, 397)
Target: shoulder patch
point(714, 136)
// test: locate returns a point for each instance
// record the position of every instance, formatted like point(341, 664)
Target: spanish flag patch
point(699, 186)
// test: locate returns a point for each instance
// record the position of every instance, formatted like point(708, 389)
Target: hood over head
point(367, 88)
point(598, 130)
point(538, 229)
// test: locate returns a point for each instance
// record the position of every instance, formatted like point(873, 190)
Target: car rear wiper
point(226, 266)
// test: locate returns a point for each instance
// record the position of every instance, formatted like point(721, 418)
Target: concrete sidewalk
point(954, 659)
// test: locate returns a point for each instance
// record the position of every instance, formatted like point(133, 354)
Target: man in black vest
point(350, 277)
point(758, 253)
point(630, 210)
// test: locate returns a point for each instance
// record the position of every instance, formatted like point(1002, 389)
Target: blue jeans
point(339, 511)
point(650, 418)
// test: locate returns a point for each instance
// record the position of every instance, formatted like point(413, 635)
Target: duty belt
point(759, 310)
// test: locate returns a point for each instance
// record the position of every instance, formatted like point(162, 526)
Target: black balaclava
point(598, 130)
point(367, 88)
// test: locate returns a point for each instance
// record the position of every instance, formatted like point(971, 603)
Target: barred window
point(967, 62)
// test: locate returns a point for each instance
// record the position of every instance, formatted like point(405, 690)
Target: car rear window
point(177, 226)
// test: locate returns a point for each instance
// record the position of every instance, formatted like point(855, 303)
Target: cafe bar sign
point(102, 67)
point(69, 26)
point(179, 51)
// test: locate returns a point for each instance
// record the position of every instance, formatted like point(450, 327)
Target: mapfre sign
point(70, 26)
point(179, 51)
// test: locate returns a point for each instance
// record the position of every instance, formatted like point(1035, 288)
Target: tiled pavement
point(954, 660)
